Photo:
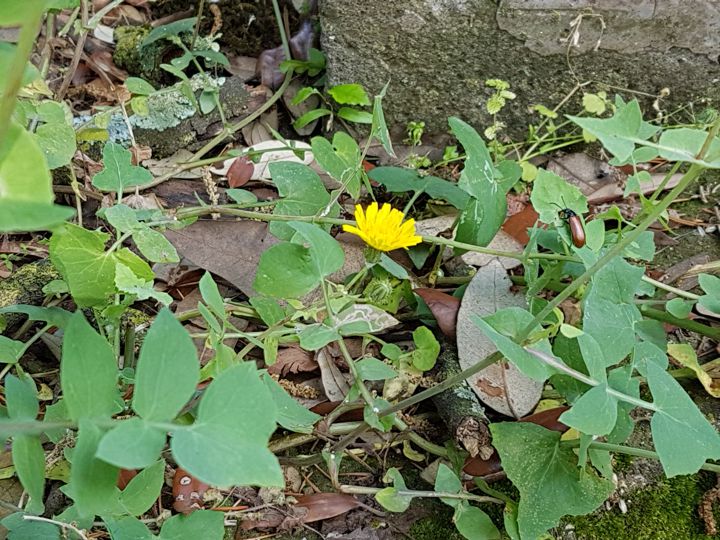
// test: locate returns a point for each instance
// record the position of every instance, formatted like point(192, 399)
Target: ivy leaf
point(286, 271)
point(118, 172)
point(349, 94)
point(80, 256)
point(302, 192)
point(340, 159)
point(426, 350)
point(551, 193)
point(547, 475)
point(167, 349)
point(88, 372)
point(621, 132)
point(683, 437)
point(227, 444)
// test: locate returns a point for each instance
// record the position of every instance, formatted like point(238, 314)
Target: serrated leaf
point(227, 444)
point(118, 172)
point(167, 370)
point(547, 476)
point(88, 372)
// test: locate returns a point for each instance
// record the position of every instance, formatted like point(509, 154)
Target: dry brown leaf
point(240, 172)
point(444, 308)
point(334, 382)
point(230, 249)
point(293, 359)
point(325, 505)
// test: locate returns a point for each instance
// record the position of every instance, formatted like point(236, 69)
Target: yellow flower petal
point(383, 228)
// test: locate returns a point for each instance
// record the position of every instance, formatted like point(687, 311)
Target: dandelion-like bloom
point(383, 229)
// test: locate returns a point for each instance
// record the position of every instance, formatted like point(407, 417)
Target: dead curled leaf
point(293, 359)
point(325, 505)
point(240, 172)
point(444, 308)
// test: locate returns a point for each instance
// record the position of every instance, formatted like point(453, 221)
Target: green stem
point(669, 288)
point(687, 324)
point(664, 182)
point(632, 451)
point(13, 78)
point(362, 490)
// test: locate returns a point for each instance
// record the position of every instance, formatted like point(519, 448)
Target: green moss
point(667, 511)
point(437, 525)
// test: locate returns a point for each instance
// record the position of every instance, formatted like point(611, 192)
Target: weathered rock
point(437, 54)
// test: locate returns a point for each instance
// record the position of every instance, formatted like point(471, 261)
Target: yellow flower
point(383, 229)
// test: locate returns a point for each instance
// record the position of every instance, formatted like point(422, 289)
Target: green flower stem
point(14, 76)
point(363, 490)
point(243, 311)
point(687, 324)
point(669, 288)
point(631, 451)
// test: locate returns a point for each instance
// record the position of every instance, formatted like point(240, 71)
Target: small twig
point(79, 47)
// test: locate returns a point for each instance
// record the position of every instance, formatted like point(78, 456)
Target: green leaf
point(127, 282)
point(268, 309)
point(22, 529)
point(57, 141)
point(349, 94)
point(54, 316)
point(683, 437)
point(325, 252)
point(291, 415)
point(593, 104)
point(241, 196)
point(167, 370)
point(551, 193)
point(379, 128)
point(138, 86)
point(310, 117)
point(139, 267)
point(7, 55)
point(447, 481)
point(426, 350)
point(683, 144)
point(474, 524)
point(547, 476)
point(621, 132)
point(204, 524)
point(487, 208)
point(303, 94)
point(372, 369)
point(10, 350)
point(354, 115)
point(118, 172)
point(92, 481)
point(392, 267)
point(211, 295)
point(677, 307)
point(611, 324)
point(28, 458)
point(173, 29)
point(127, 528)
point(80, 256)
point(594, 413)
point(711, 286)
point(227, 444)
point(155, 246)
point(21, 397)
point(341, 160)
point(88, 372)
point(302, 192)
point(315, 336)
point(144, 489)
point(132, 444)
point(13, 13)
point(286, 271)
point(525, 362)
point(121, 217)
point(389, 498)
point(30, 216)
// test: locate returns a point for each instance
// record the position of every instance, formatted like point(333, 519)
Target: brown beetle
point(576, 227)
